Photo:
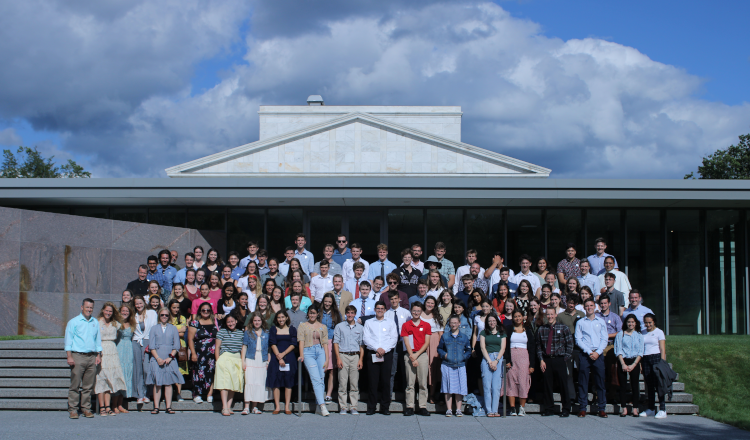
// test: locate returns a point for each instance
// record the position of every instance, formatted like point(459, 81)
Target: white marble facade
point(360, 149)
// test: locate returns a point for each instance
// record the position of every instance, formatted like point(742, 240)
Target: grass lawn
point(18, 338)
point(714, 370)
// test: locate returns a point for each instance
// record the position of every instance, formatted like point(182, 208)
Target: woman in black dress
point(282, 369)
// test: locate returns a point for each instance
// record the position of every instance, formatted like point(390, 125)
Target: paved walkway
point(35, 425)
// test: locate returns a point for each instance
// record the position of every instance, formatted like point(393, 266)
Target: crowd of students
point(437, 332)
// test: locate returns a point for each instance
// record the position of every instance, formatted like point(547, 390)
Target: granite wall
point(50, 262)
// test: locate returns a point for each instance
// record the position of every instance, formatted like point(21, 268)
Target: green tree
point(28, 163)
point(731, 163)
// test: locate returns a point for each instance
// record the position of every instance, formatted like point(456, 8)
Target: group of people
point(438, 332)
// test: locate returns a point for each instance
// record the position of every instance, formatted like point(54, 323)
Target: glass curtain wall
point(645, 258)
point(684, 259)
point(525, 235)
point(283, 226)
point(564, 226)
point(485, 232)
point(405, 228)
point(446, 225)
point(726, 272)
point(606, 224)
point(245, 225)
point(364, 229)
point(211, 224)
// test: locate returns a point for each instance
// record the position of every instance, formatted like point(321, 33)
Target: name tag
point(384, 329)
point(421, 329)
point(558, 331)
point(609, 321)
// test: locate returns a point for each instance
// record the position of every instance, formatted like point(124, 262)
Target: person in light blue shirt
point(83, 348)
point(587, 279)
point(383, 266)
point(252, 254)
point(305, 257)
point(179, 277)
point(637, 309)
point(597, 260)
point(263, 262)
point(591, 337)
point(629, 347)
point(364, 303)
point(164, 275)
point(342, 253)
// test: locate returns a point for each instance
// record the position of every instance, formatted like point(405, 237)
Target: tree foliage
point(731, 163)
point(28, 163)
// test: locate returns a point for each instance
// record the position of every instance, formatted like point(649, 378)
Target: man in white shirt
point(380, 338)
point(334, 268)
point(399, 315)
point(587, 279)
point(416, 261)
point(622, 283)
point(322, 283)
point(471, 257)
point(493, 272)
point(305, 257)
point(597, 260)
point(525, 262)
point(383, 266)
point(284, 266)
point(347, 268)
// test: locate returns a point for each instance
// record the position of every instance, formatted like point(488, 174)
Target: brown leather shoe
point(88, 414)
point(288, 412)
point(582, 414)
point(603, 415)
point(73, 414)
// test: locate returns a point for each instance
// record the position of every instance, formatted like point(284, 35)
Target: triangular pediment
point(357, 144)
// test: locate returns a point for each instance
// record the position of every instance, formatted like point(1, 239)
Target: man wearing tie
point(554, 346)
point(352, 285)
point(380, 339)
point(399, 315)
point(364, 304)
point(383, 266)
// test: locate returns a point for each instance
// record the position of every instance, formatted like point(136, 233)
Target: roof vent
point(315, 100)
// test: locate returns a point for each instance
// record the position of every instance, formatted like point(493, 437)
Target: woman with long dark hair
point(330, 317)
point(255, 360)
point(282, 369)
point(213, 261)
point(629, 351)
point(431, 315)
point(520, 358)
point(202, 342)
point(492, 342)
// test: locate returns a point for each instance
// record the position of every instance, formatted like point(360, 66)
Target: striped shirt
point(231, 341)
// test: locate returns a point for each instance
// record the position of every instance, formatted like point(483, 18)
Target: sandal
point(109, 411)
point(155, 411)
point(245, 412)
point(225, 412)
point(169, 411)
point(103, 411)
point(257, 411)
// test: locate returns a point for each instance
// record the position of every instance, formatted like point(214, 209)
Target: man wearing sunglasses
point(393, 281)
point(342, 253)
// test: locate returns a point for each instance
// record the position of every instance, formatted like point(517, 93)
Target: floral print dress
point(205, 349)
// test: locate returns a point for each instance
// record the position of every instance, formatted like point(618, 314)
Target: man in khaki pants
point(416, 344)
point(347, 343)
point(83, 346)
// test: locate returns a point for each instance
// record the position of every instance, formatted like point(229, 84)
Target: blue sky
point(128, 88)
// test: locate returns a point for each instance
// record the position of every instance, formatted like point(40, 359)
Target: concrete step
point(35, 372)
point(676, 398)
point(34, 344)
point(34, 363)
point(34, 404)
point(34, 393)
point(32, 354)
point(35, 383)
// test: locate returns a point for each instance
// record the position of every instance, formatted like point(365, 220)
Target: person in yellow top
point(179, 321)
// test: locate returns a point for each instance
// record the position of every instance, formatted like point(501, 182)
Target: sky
point(589, 89)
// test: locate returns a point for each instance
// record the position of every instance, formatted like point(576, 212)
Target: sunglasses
point(205, 310)
point(340, 241)
point(164, 314)
point(393, 282)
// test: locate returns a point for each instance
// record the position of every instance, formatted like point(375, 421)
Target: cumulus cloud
point(584, 108)
point(10, 138)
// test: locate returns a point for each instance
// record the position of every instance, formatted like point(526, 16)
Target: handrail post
point(299, 391)
point(505, 391)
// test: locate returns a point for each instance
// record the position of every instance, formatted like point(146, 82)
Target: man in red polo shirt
point(416, 343)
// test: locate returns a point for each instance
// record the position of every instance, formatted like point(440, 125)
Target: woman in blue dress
point(163, 342)
point(282, 369)
point(125, 353)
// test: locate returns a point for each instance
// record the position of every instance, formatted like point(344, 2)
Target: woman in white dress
point(255, 358)
point(109, 379)
point(144, 320)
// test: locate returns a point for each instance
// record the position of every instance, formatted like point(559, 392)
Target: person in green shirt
point(492, 341)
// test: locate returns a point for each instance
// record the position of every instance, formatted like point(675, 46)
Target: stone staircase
point(35, 376)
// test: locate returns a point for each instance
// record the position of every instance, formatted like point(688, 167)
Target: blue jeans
point(315, 362)
point(492, 382)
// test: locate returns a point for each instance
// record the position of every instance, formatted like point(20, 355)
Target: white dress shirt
point(348, 272)
point(531, 278)
point(380, 334)
point(319, 285)
point(402, 314)
point(464, 270)
point(419, 266)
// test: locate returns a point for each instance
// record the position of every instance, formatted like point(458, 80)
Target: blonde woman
point(110, 379)
point(164, 342)
point(125, 354)
point(144, 320)
point(255, 358)
point(229, 374)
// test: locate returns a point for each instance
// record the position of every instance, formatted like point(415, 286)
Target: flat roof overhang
point(377, 192)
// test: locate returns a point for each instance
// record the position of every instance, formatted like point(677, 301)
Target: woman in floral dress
point(202, 340)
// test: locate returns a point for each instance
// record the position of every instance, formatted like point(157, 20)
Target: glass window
point(167, 217)
point(446, 225)
point(604, 223)
point(324, 227)
point(485, 231)
point(91, 212)
point(405, 228)
point(211, 224)
point(135, 215)
point(726, 270)
point(684, 244)
point(364, 229)
point(564, 226)
point(645, 259)
point(525, 235)
point(245, 225)
point(283, 226)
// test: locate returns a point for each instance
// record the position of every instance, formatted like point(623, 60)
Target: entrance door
point(362, 227)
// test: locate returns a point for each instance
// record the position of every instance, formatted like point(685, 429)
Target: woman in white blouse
point(144, 320)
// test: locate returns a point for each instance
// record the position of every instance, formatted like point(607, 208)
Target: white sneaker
point(354, 412)
point(513, 413)
point(343, 412)
point(647, 413)
point(197, 399)
point(323, 411)
point(210, 399)
point(459, 413)
point(661, 415)
point(521, 412)
point(146, 400)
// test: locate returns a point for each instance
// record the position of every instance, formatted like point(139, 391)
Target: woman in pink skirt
point(432, 316)
point(520, 355)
